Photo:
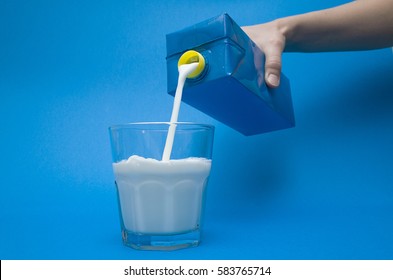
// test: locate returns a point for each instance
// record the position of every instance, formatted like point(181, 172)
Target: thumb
point(273, 67)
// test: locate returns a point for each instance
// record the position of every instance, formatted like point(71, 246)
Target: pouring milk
point(163, 196)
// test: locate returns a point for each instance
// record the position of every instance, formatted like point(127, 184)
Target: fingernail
point(273, 80)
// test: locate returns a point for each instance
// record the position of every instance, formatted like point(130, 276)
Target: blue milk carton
point(229, 82)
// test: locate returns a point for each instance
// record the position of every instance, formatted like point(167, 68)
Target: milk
point(184, 71)
point(161, 197)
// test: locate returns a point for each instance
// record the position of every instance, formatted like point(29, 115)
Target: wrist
point(286, 27)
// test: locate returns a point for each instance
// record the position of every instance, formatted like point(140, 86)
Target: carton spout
point(192, 57)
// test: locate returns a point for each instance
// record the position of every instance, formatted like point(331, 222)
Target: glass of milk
point(161, 198)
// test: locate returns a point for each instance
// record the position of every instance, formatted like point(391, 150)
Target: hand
point(357, 25)
point(271, 41)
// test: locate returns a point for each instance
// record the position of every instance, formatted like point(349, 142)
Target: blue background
point(69, 69)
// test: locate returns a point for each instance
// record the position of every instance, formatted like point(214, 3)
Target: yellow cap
point(190, 57)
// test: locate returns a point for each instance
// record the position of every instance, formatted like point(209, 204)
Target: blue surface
point(68, 70)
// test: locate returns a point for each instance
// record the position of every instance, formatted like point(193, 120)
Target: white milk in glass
point(163, 196)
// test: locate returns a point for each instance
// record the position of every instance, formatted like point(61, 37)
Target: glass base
point(167, 242)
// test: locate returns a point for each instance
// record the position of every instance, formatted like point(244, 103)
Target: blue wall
point(69, 69)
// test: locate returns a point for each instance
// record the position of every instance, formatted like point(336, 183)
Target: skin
point(358, 25)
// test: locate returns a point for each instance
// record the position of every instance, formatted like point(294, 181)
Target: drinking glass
point(161, 201)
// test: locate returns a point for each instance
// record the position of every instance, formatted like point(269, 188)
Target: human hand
point(271, 41)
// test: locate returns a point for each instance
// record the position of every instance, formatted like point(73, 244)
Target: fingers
point(273, 67)
point(272, 42)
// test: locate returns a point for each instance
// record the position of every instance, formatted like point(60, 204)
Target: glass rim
point(161, 125)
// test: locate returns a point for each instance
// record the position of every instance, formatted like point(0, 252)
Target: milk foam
point(161, 197)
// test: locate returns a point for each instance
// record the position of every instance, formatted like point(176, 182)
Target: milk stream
point(184, 71)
